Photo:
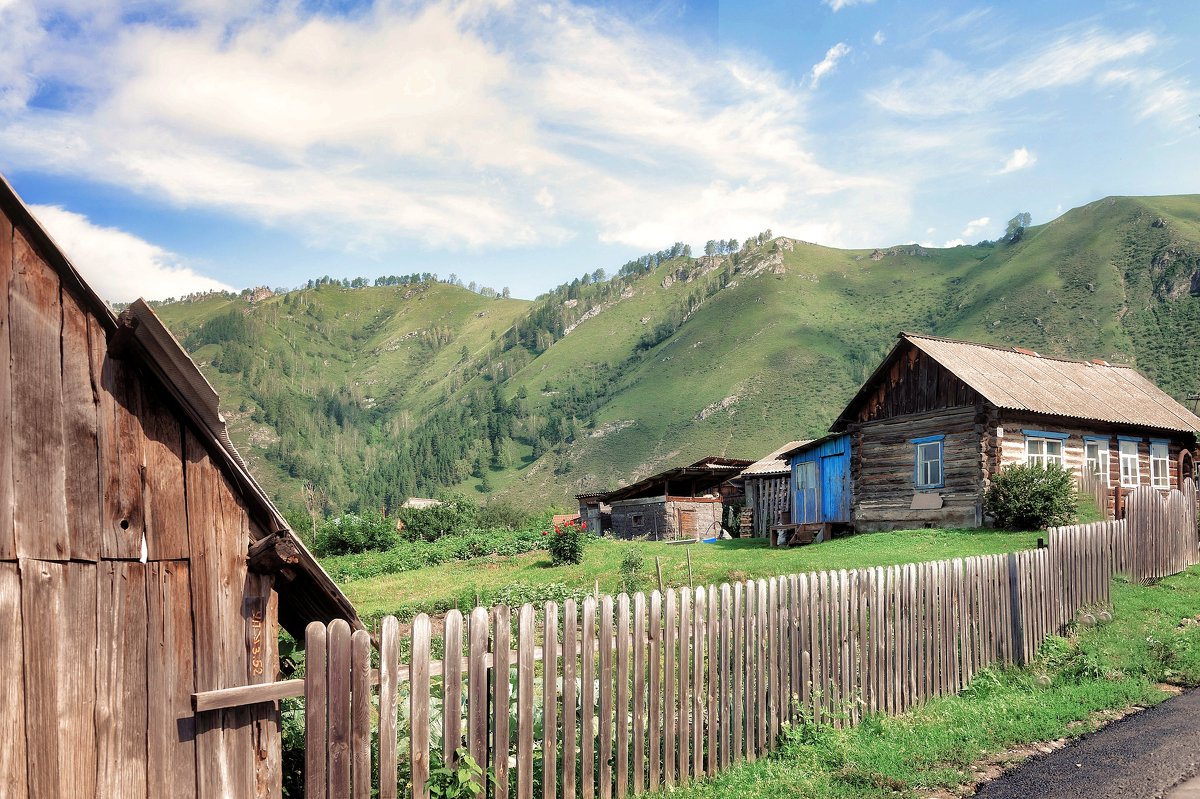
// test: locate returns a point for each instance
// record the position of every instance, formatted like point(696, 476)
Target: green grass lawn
point(1153, 639)
point(437, 588)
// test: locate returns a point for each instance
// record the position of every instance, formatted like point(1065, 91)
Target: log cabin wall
point(882, 469)
point(124, 584)
point(1011, 441)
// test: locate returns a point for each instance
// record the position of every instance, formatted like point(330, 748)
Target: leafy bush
point(633, 570)
point(566, 543)
point(409, 555)
point(501, 515)
point(429, 524)
point(351, 533)
point(464, 780)
point(1030, 496)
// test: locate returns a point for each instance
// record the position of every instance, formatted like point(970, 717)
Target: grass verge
point(457, 584)
point(1153, 639)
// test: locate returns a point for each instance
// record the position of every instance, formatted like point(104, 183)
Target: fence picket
point(549, 700)
point(389, 665)
point(339, 709)
point(685, 683)
point(669, 660)
point(452, 673)
point(418, 714)
point(622, 709)
point(501, 663)
point(525, 633)
point(587, 700)
point(639, 694)
point(569, 716)
point(654, 742)
point(711, 647)
point(316, 722)
point(477, 688)
point(738, 670)
point(699, 614)
point(604, 771)
point(360, 714)
point(725, 707)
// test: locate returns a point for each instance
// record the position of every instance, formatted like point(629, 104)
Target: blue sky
point(173, 148)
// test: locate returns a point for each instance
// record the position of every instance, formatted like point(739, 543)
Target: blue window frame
point(929, 462)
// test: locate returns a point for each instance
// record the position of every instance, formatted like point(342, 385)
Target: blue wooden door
point(807, 493)
point(835, 487)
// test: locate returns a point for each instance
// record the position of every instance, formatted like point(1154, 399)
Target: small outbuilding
point(766, 484)
point(686, 502)
point(822, 494)
point(140, 562)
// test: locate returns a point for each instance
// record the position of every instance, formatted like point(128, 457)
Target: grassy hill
point(602, 381)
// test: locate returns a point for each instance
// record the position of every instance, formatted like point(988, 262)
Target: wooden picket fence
point(1156, 538)
point(616, 696)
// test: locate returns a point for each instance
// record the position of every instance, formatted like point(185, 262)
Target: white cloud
point(879, 38)
point(120, 266)
point(975, 226)
point(954, 243)
point(829, 62)
point(838, 5)
point(1021, 158)
point(465, 123)
point(1158, 94)
point(945, 86)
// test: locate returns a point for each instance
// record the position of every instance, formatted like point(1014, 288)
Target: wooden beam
point(274, 553)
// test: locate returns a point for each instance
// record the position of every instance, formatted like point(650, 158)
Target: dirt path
point(1148, 754)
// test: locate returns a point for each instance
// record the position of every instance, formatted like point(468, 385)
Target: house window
point(637, 520)
point(1160, 467)
point(1044, 448)
point(929, 470)
point(1130, 469)
point(1095, 458)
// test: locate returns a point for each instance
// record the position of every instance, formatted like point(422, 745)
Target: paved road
point(1154, 753)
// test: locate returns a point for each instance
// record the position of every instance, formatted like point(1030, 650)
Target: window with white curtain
point(1130, 467)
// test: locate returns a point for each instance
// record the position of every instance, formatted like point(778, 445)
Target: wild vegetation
point(352, 399)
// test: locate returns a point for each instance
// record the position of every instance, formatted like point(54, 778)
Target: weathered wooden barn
point(939, 417)
point(139, 560)
point(680, 503)
point(766, 484)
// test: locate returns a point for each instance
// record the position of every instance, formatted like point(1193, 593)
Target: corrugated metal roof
point(1025, 381)
point(773, 464)
point(709, 472)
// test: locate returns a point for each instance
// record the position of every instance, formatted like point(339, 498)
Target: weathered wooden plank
point(13, 769)
point(360, 711)
point(338, 687)
point(8, 538)
point(550, 700)
point(738, 673)
point(670, 661)
point(122, 457)
point(699, 694)
point(712, 648)
point(622, 697)
point(60, 677)
point(39, 460)
point(452, 677)
point(655, 726)
point(525, 642)
point(587, 699)
point(121, 680)
point(501, 692)
point(316, 715)
point(638, 772)
point(724, 706)
point(772, 652)
point(477, 686)
point(80, 434)
point(418, 714)
point(569, 723)
point(171, 755)
point(606, 698)
point(389, 662)
point(261, 647)
point(166, 521)
point(685, 685)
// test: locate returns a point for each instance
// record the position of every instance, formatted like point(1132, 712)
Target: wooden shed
point(822, 495)
point(938, 418)
point(766, 484)
point(139, 560)
point(683, 502)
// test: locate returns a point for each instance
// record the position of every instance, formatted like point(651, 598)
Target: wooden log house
point(139, 560)
point(685, 502)
point(938, 418)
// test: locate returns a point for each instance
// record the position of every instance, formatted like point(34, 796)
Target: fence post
point(1018, 626)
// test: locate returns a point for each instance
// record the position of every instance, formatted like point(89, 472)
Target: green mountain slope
point(603, 381)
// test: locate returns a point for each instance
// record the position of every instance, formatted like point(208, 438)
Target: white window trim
point(1136, 457)
point(1045, 458)
point(1103, 458)
point(1165, 460)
